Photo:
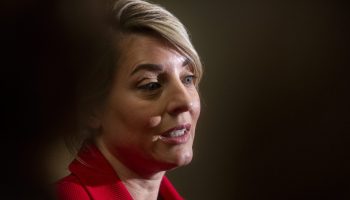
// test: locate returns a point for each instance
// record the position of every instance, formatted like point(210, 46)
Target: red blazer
point(92, 177)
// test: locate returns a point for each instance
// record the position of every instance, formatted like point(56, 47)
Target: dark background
point(275, 118)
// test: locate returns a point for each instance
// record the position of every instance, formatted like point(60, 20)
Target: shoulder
point(70, 188)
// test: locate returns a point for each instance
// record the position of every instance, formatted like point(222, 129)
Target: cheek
point(142, 113)
point(154, 121)
point(132, 110)
point(139, 116)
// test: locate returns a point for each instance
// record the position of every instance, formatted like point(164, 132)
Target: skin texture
point(144, 102)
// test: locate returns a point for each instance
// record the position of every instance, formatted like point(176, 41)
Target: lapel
point(101, 181)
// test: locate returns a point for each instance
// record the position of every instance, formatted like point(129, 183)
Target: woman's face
point(149, 118)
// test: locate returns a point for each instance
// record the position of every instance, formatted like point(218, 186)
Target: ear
point(94, 120)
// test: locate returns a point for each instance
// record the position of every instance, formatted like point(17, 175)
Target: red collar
point(102, 182)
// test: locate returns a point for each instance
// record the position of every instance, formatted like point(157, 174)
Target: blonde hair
point(127, 17)
point(137, 16)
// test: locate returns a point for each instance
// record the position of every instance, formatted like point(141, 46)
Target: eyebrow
point(154, 67)
point(147, 67)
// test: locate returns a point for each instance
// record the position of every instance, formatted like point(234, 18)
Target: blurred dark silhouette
point(44, 45)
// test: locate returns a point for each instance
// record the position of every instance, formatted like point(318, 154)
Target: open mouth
point(177, 135)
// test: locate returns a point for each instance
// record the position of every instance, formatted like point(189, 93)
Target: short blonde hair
point(127, 17)
point(137, 16)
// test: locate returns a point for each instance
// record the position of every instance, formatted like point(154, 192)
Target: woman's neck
point(139, 187)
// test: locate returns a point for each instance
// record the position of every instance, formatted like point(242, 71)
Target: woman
point(139, 108)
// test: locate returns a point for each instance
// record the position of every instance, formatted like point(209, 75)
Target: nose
point(180, 100)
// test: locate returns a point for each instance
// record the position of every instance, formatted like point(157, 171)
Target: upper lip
point(186, 126)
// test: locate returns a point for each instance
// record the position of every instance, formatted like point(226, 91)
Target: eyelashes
point(150, 86)
point(153, 86)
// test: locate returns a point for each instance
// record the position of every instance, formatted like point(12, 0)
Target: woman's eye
point(189, 80)
point(150, 86)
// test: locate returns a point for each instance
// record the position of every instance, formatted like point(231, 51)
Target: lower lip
point(176, 140)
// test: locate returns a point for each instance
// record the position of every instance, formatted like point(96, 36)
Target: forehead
point(138, 49)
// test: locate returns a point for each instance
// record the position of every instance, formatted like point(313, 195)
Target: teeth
point(177, 133)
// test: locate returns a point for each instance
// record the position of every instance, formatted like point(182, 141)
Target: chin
point(180, 159)
point(185, 159)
